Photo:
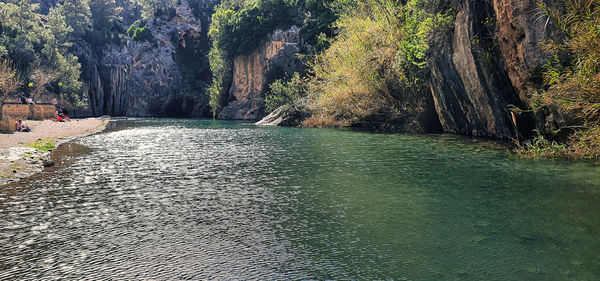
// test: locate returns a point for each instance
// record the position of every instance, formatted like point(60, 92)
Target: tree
point(26, 13)
point(60, 31)
point(150, 8)
point(9, 81)
point(42, 77)
point(79, 15)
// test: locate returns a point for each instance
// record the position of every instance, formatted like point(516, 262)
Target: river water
point(203, 199)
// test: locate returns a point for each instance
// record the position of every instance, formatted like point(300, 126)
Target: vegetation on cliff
point(238, 29)
point(284, 92)
point(38, 46)
point(378, 59)
point(55, 45)
point(572, 75)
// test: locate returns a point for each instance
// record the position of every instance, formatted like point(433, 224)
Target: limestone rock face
point(520, 30)
point(144, 78)
point(474, 85)
point(252, 74)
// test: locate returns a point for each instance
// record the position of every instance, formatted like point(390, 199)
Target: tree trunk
point(1, 106)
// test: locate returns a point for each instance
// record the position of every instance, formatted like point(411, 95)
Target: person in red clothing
point(60, 116)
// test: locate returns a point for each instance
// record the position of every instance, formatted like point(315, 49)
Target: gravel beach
point(17, 160)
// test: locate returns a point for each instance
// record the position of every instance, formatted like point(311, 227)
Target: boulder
point(287, 115)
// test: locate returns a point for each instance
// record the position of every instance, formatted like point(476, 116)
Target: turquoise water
point(204, 199)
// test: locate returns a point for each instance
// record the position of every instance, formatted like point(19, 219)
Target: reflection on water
point(202, 199)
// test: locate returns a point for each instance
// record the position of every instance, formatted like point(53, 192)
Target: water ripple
point(199, 199)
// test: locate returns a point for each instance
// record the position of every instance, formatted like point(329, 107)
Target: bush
point(584, 143)
point(573, 72)
point(142, 34)
point(134, 26)
point(283, 92)
point(378, 56)
point(572, 75)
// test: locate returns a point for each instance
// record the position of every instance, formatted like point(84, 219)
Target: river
point(170, 199)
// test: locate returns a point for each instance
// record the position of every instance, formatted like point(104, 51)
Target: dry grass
point(583, 144)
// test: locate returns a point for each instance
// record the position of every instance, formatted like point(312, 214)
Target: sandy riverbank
point(17, 160)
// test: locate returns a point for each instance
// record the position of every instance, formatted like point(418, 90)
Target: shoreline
point(22, 154)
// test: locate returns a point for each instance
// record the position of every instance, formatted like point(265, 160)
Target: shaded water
point(203, 199)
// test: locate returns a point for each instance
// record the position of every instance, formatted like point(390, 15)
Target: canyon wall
point(148, 78)
point(486, 64)
point(252, 74)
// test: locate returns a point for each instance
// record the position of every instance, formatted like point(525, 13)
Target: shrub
point(378, 56)
point(573, 72)
point(283, 92)
point(143, 34)
point(134, 26)
point(584, 143)
point(572, 75)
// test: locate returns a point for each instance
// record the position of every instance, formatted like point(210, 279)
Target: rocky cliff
point(150, 78)
point(252, 74)
point(486, 67)
point(481, 68)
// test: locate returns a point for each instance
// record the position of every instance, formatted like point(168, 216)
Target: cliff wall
point(252, 74)
point(148, 79)
point(489, 66)
point(486, 64)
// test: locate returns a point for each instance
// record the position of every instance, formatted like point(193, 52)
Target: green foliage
point(378, 58)
point(106, 22)
point(542, 147)
point(236, 29)
point(573, 72)
point(221, 66)
point(43, 145)
point(283, 92)
point(36, 41)
point(572, 75)
point(156, 8)
point(142, 34)
point(239, 30)
point(582, 144)
point(318, 24)
point(134, 26)
point(79, 16)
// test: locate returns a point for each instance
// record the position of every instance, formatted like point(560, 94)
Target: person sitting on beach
point(21, 127)
point(60, 116)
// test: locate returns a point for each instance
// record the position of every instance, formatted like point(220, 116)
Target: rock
point(288, 115)
point(146, 79)
point(519, 39)
point(48, 163)
point(472, 93)
point(252, 74)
